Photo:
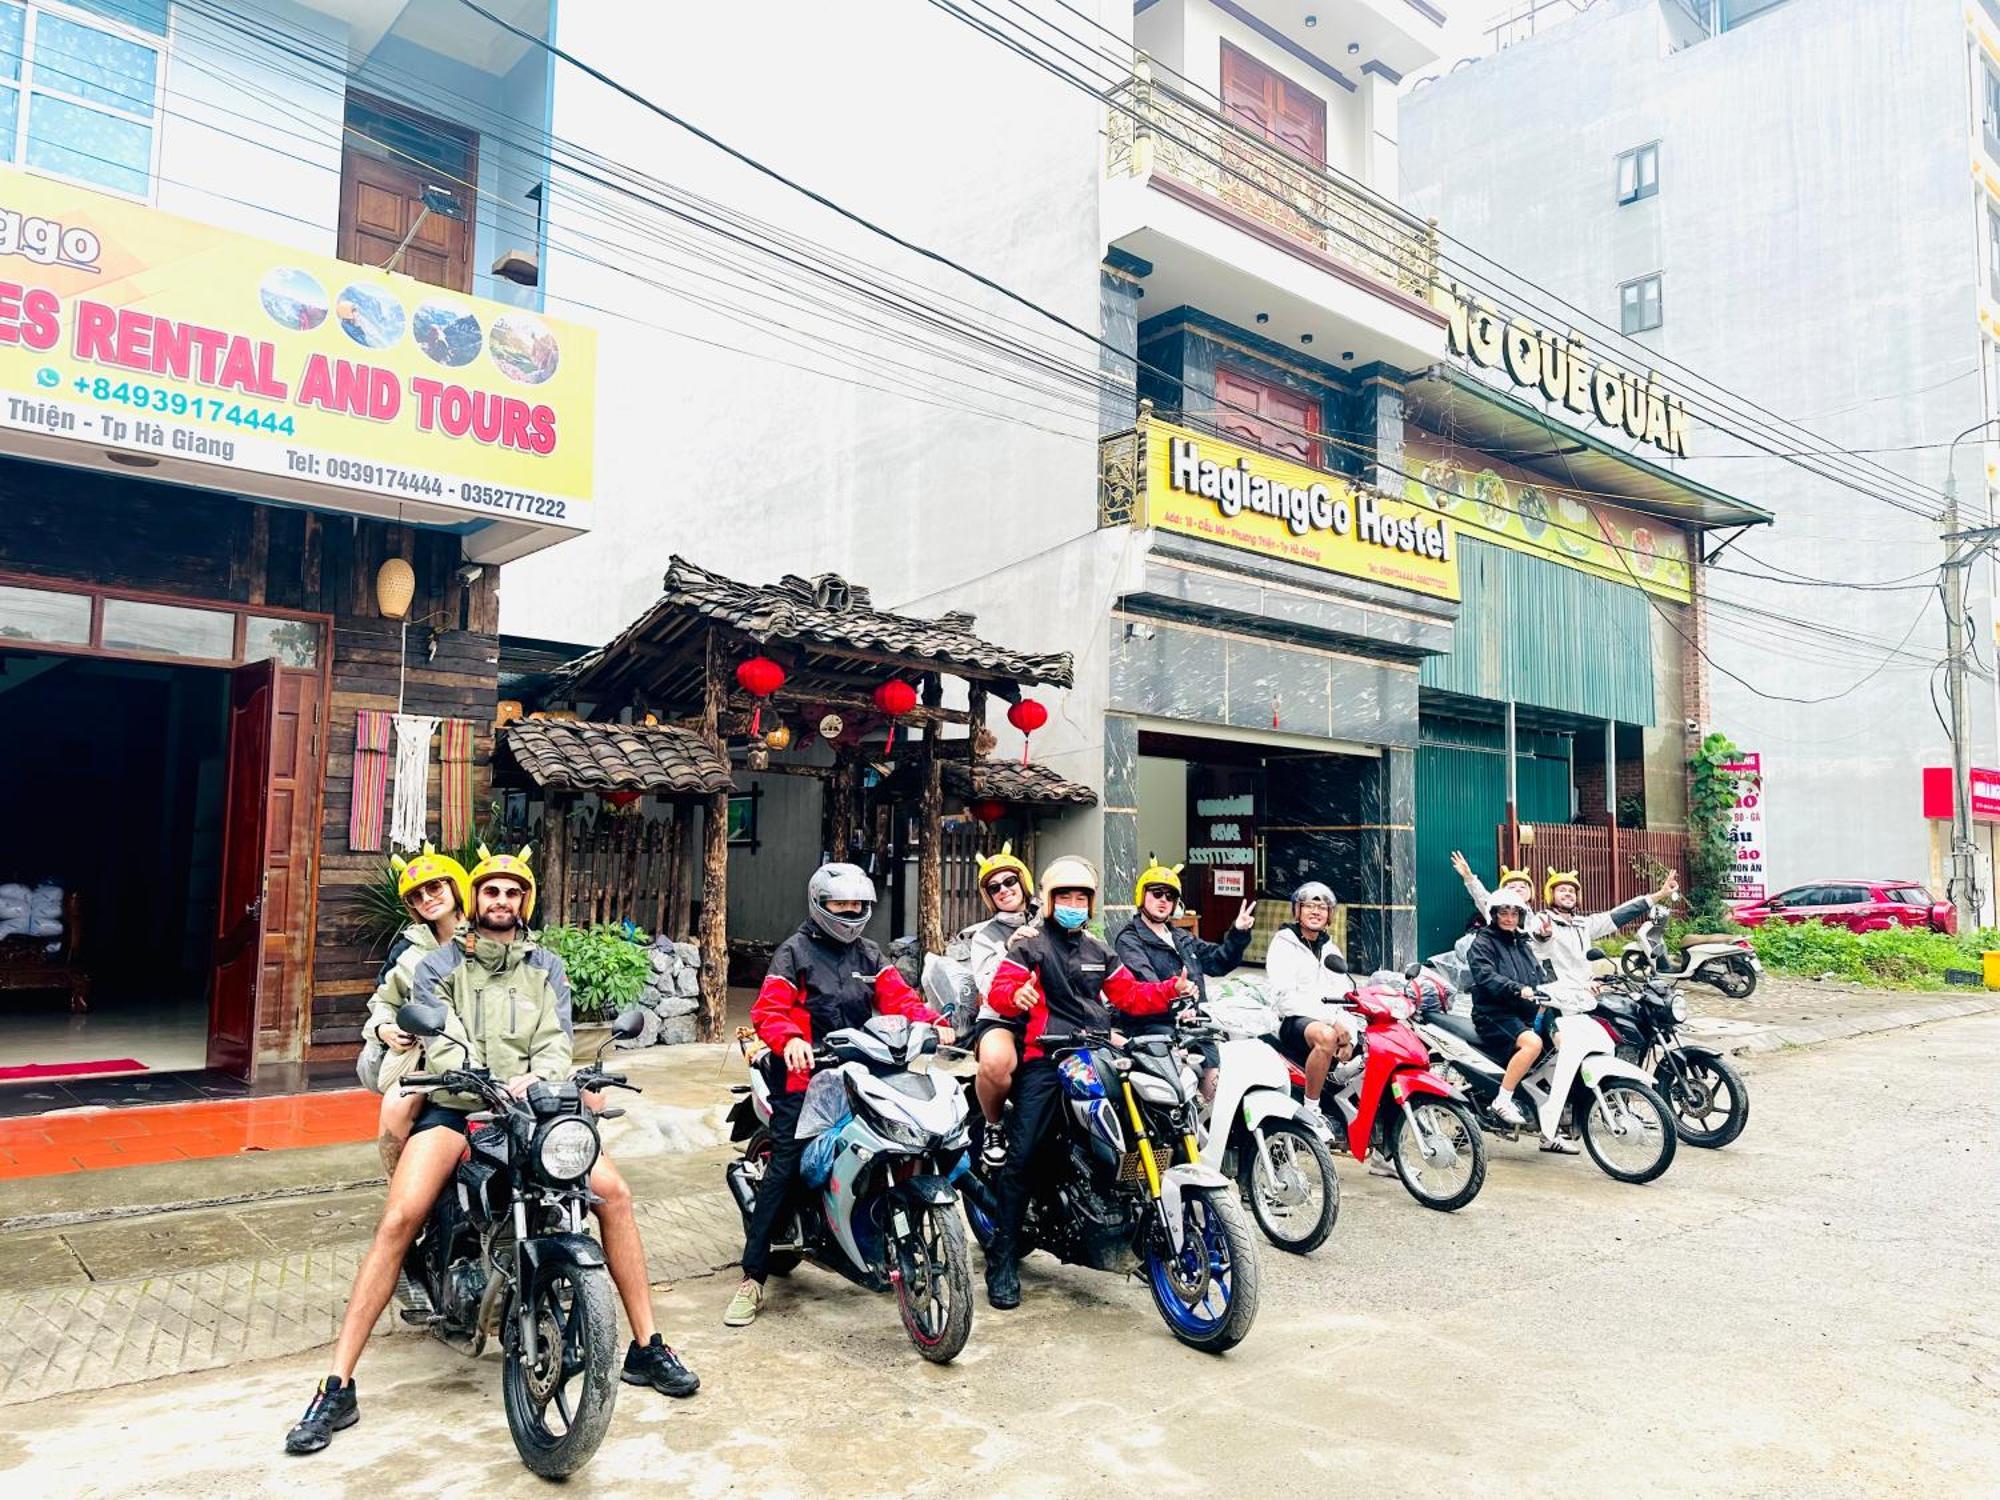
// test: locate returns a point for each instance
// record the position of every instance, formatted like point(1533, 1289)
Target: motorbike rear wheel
point(934, 1283)
point(1207, 1292)
point(1457, 1125)
point(558, 1408)
point(1732, 976)
point(1297, 1210)
point(1699, 1085)
point(1628, 1131)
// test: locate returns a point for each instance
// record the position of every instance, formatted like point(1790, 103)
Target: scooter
point(1728, 963)
point(1626, 1125)
point(1257, 1133)
point(881, 1171)
point(1420, 1120)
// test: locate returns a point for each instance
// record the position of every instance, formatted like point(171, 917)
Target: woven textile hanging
point(371, 778)
point(455, 784)
point(408, 812)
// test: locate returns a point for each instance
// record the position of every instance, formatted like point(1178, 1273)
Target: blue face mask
point(1069, 918)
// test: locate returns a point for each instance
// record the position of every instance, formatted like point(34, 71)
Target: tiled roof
point(1009, 781)
point(573, 756)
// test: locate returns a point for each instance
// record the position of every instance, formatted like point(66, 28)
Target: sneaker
point(993, 1150)
point(1380, 1165)
point(745, 1305)
point(654, 1363)
point(1561, 1145)
point(1507, 1112)
point(332, 1409)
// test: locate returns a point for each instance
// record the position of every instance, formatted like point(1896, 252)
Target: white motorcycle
point(1728, 963)
point(1625, 1124)
point(1257, 1133)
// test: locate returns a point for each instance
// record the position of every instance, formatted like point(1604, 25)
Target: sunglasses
point(1001, 883)
point(430, 890)
point(1162, 890)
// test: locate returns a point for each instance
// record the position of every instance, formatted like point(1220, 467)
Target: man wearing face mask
point(1057, 976)
point(510, 1000)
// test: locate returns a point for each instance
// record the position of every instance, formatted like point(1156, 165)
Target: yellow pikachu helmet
point(1157, 874)
point(514, 866)
point(1560, 877)
point(430, 865)
point(1524, 875)
point(1006, 859)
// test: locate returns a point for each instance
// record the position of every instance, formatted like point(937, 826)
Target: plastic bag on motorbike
point(816, 1162)
point(825, 1105)
point(950, 990)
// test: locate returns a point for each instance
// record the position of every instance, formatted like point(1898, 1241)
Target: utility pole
point(1964, 881)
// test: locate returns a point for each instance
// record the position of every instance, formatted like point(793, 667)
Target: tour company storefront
point(256, 504)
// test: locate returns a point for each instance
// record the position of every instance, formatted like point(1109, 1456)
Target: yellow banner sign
point(127, 329)
point(1203, 487)
point(1497, 502)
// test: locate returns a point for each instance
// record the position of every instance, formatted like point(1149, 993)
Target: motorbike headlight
point(900, 1133)
point(567, 1151)
point(1679, 1007)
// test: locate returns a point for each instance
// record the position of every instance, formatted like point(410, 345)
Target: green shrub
point(607, 964)
point(1898, 957)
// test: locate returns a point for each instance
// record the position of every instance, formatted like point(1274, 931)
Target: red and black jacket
point(816, 986)
point(1080, 979)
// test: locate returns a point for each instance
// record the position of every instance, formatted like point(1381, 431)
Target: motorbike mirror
point(1413, 971)
point(1595, 954)
point(630, 1022)
point(422, 1017)
point(1335, 961)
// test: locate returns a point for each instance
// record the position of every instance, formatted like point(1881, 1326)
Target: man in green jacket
point(513, 1001)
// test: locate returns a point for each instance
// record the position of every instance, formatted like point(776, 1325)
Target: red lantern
point(759, 677)
point(1027, 716)
point(895, 698)
point(623, 798)
point(988, 811)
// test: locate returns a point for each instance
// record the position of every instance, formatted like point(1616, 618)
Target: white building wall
point(1815, 227)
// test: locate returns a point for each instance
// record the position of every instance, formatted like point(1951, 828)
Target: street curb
point(1843, 1028)
point(29, 1223)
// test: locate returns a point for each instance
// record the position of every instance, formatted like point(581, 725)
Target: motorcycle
point(1271, 1147)
point(887, 1214)
point(1625, 1124)
point(506, 1250)
point(1708, 1097)
point(1422, 1122)
point(1728, 963)
point(1117, 1200)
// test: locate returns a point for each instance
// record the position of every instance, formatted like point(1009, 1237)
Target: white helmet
point(1507, 899)
point(838, 882)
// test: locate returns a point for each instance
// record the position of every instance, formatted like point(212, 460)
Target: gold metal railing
point(1154, 128)
point(1121, 469)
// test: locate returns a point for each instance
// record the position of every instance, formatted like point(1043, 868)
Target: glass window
point(1800, 895)
point(289, 643)
point(1909, 895)
point(1639, 306)
point(1990, 116)
point(44, 615)
point(92, 89)
point(168, 630)
point(1639, 173)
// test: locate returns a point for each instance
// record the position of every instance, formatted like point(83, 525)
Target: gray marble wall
point(1120, 865)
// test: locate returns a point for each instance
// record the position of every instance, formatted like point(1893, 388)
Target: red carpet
point(73, 1070)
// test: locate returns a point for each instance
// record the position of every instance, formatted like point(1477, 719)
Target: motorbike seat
point(1459, 1026)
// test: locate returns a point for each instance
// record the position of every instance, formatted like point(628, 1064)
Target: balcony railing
point(1155, 129)
point(1121, 476)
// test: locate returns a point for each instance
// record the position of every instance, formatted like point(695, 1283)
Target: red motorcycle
point(1390, 1100)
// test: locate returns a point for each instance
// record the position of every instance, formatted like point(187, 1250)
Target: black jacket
point(1081, 982)
point(1150, 956)
point(1501, 963)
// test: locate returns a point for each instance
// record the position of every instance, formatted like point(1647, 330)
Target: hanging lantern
point(1027, 716)
point(895, 698)
point(624, 797)
point(759, 677)
point(758, 758)
point(988, 811)
point(395, 587)
point(779, 738)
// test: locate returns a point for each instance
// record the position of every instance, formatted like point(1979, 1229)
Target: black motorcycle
point(1120, 1187)
point(1708, 1097)
point(506, 1250)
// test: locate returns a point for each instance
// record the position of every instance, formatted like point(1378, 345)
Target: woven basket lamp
point(395, 587)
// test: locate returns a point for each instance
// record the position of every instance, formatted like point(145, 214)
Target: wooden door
point(390, 155)
point(1264, 101)
point(240, 905)
point(1267, 415)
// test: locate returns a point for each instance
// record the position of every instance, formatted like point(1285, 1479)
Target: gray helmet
point(840, 883)
point(1312, 890)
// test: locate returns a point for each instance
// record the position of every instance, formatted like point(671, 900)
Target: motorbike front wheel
point(934, 1283)
point(1628, 1130)
point(1453, 1176)
point(1207, 1291)
point(559, 1407)
point(1710, 1101)
point(1733, 977)
point(1296, 1199)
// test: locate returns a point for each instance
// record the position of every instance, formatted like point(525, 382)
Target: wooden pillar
point(930, 828)
point(714, 937)
point(555, 858)
point(841, 783)
point(975, 720)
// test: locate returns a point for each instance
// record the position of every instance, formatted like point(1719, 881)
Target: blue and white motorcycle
point(1124, 1188)
point(886, 1140)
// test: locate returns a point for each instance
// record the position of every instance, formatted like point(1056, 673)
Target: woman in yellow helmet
point(436, 893)
point(1009, 892)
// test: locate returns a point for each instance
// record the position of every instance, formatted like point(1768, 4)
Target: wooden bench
point(27, 964)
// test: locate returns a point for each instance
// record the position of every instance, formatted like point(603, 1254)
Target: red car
point(1863, 905)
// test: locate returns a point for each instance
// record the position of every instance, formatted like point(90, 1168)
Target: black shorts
point(433, 1116)
point(1017, 1029)
point(1292, 1039)
point(1500, 1031)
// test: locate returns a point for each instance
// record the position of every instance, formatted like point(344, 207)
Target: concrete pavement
point(1807, 1313)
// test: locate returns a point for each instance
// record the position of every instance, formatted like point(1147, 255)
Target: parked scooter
point(1709, 1099)
point(886, 1212)
point(1112, 1196)
point(1728, 963)
point(506, 1250)
point(1625, 1124)
point(1271, 1147)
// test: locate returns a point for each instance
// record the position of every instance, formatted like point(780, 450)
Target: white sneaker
point(1380, 1165)
point(1562, 1145)
point(1507, 1112)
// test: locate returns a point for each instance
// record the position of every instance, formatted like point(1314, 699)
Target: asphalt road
point(1807, 1313)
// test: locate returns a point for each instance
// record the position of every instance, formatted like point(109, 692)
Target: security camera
point(1693, 726)
point(471, 573)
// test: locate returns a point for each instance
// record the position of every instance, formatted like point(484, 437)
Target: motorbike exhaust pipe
point(741, 1188)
